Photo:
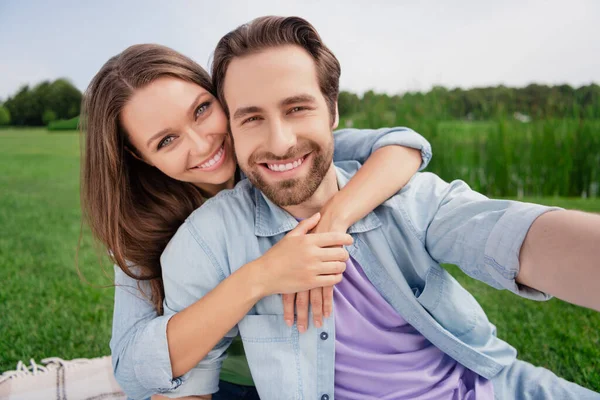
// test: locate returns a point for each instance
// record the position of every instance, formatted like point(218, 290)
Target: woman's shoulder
point(129, 284)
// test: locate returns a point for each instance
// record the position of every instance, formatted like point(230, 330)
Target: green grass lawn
point(46, 310)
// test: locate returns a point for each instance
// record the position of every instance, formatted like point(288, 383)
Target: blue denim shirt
point(139, 345)
point(399, 245)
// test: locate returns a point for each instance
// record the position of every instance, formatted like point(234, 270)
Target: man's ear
point(336, 120)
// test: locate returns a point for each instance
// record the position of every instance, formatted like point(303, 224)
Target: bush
point(64, 124)
point(48, 117)
point(4, 116)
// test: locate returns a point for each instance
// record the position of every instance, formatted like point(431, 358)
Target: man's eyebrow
point(300, 98)
point(243, 111)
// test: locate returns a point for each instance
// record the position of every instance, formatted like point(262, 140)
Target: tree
point(48, 116)
point(22, 108)
point(348, 103)
point(4, 116)
point(64, 99)
point(46, 101)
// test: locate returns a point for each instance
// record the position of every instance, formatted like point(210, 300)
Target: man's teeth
point(285, 167)
point(215, 159)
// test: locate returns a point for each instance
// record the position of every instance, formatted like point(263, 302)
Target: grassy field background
point(47, 310)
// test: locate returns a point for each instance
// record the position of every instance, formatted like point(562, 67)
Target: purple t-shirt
point(378, 355)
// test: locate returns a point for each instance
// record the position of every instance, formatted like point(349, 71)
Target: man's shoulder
point(222, 215)
point(421, 196)
point(427, 186)
point(209, 230)
point(238, 202)
point(423, 181)
point(419, 183)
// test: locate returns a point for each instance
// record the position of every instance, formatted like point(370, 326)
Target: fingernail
point(326, 315)
point(289, 322)
point(318, 324)
point(301, 328)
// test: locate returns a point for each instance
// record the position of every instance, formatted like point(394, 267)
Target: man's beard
point(291, 192)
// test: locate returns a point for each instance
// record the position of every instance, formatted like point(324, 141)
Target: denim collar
point(271, 220)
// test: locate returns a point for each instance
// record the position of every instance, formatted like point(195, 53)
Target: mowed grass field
point(47, 310)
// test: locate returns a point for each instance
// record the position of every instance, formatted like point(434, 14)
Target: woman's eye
point(201, 109)
point(165, 142)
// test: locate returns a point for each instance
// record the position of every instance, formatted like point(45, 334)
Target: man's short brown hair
point(267, 32)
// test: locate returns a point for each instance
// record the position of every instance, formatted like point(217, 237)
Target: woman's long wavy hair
point(132, 208)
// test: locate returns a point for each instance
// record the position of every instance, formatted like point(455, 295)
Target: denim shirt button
point(325, 396)
point(324, 336)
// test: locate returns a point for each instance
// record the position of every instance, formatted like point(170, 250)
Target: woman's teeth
point(287, 166)
point(214, 160)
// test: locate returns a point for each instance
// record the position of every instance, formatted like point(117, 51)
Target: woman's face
point(181, 129)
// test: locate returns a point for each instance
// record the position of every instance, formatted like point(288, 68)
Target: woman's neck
point(210, 189)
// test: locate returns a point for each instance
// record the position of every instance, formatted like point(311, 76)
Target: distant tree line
point(535, 101)
point(42, 104)
point(60, 100)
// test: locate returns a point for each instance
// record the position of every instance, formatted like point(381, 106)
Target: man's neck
point(326, 190)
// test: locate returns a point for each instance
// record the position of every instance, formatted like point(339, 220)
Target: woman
point(156, 147)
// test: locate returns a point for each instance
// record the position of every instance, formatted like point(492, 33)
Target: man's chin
point(286, 197)
point(289, 192)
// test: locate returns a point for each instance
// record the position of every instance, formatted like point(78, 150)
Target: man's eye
point(296, 109)
point(165, 142)
point(251, 119)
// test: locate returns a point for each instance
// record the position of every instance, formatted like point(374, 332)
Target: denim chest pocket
point(449, 303)
point(272, 351)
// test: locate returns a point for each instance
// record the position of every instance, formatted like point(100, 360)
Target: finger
point(288, 308)
point(333, 254)
point(328, 300)
point(316, 303)
point(302, 311)
point(331, 239)
point(305, 225)
point(331, 268)
point(328, 280)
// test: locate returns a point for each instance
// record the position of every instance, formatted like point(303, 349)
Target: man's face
point(280, 123)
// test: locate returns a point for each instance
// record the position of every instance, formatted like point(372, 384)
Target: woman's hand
point(320, 298)
point(303, 261)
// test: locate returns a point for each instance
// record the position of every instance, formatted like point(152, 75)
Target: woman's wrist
point(254, 277)
point(337, 215)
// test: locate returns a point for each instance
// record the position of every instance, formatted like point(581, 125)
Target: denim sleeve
point(189, 273)
point(483, 237)
point(139, 340)
point(359, 144)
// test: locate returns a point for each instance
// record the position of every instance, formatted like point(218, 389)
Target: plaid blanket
point(80, 379)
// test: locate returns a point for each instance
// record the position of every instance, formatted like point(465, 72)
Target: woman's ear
point(135, 155)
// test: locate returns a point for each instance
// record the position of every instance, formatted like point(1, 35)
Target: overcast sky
point(388, 46)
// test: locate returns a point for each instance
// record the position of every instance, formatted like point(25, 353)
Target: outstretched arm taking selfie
point(561, 256)
point(529, 249)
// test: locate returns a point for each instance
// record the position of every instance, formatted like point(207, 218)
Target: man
point(402, 328)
